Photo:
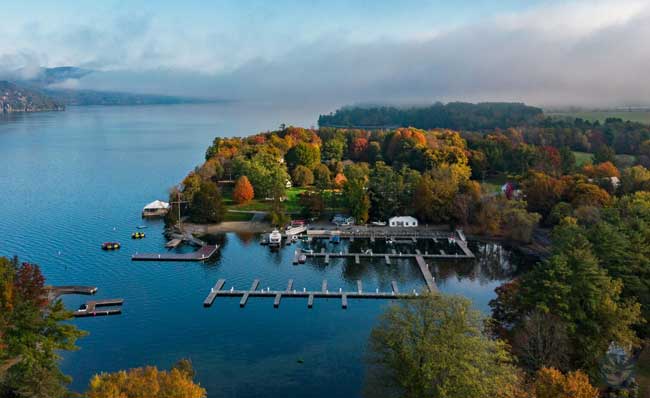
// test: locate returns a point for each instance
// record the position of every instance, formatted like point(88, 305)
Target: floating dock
point(90, 308)
point(278, 295)
point(202, 254)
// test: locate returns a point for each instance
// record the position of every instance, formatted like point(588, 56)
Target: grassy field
point(230, 216)
point(582, 158)
point(633, 116)
point(291, 204)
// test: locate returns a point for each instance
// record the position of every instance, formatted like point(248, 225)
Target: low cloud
point(579, 53)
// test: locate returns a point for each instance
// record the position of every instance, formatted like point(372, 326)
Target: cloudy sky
point(592, 53)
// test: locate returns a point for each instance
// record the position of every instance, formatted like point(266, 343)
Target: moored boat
point(275, 238)
point(110, 245)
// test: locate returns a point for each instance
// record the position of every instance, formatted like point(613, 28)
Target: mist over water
point(72, 180)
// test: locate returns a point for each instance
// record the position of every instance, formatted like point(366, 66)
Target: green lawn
point(230, 216)
point(633, 116)
point(494, 183)
point(291, 204)
point(582, 158)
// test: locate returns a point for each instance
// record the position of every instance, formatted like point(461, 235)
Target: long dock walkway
point(277, 295)
point(202, 254)
point(442, 255)
point(426, 274)
point(53, 292)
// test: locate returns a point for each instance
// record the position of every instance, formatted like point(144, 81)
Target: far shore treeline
point(579, 191)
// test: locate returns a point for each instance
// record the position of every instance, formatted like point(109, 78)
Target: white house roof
point(157, 204)
point(403, 219)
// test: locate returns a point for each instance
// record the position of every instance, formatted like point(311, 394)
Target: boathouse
point(156, 208)
point(403, 221)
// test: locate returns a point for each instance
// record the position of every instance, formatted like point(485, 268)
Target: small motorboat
point(275, 238)
point(302, 259)
point(110, 245)
point(294, 238)
point(137, 235)
point(308, 251)
point(141, 227)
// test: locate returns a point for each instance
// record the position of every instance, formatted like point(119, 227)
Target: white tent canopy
point(157, 205)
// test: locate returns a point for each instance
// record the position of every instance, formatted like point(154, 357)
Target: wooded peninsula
point(500, 170)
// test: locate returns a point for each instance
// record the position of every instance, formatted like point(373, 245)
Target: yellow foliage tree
point(146, 382)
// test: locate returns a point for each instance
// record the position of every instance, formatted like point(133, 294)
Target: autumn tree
point(243, 191)
point(551, 383)
point(435, 347)
point(147, 382)
point(32, 334)
point(542, 192)
point(302, 176)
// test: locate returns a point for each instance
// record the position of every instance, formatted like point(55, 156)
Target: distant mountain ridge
point(46, 89)
point(14, 98)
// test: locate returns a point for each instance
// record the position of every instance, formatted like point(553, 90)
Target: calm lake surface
point(71, 180)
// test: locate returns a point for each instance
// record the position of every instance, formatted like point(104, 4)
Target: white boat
point(294, 238)
point(275, 238)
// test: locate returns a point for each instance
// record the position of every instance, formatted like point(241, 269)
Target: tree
point(551, 383)
point(303, 154)
point(147, 382)
point(312, 204)
point(322, 177)
point(571, 285)
point(586, 194)
point(32, 334)
point(206, 205)
point(604, 154)
point(356, 198)
point(542, 192)
point(568, 160)
point(541, 340)
point(518, 224)
point(302, 176)
point(333, 149)
point(243, 191)
point(434, 347)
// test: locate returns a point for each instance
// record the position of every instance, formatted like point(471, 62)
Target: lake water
point(71, 180)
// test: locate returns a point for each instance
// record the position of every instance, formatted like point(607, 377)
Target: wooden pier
point(426, 274)
point(278, 295)
point(202, 254)
point(467, 254)
point(90, 308)
point(53, 292)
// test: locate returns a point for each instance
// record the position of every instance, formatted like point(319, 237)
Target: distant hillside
point(14, 98)
point(92, 97)
point(454, 115)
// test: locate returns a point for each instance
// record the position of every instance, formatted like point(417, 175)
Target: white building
point(403, 221)
point(156, 208)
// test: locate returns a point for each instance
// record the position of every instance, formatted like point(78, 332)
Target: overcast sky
point(591, 53)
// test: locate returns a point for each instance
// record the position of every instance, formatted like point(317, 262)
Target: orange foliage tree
point(243, 191)
point(551, 383)
point(601, 170)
